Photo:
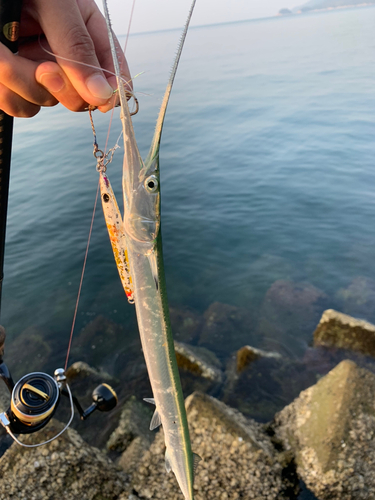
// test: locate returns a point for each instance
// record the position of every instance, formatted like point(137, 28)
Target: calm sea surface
point(267, 167)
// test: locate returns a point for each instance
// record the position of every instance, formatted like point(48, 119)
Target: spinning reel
point(36, 396)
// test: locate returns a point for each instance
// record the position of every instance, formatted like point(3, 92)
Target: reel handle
point(104, 398)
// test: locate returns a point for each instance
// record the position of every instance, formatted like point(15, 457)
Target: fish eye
point(151, 184)
point(105, 198)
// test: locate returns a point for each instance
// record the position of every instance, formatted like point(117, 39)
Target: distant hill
point(329, 4)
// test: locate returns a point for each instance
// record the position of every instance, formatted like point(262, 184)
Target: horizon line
point(253, 19)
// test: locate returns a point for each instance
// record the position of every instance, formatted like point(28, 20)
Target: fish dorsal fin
point(196, 460)
point(150, 400)
point(155, 421)
point(154, 149)
point(168, 465)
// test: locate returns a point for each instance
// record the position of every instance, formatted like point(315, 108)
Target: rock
point(66, 468)
point(238, 459)
point(330, 428)
point(130, 458)
point(358, 299)
point(186, 324)
point(288, 315)
point(339, 330)
point(226, 328)
point(132, 437)
point(134, 421)
point(248, 354)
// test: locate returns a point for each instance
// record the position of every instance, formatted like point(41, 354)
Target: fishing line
point(130, 22)
point(129, 92)
point(81, 280)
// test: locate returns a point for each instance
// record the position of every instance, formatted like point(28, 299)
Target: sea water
point(267, 173)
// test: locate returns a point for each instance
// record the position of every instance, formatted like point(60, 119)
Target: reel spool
point(35, 398)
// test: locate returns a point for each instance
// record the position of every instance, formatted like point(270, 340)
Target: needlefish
point(137, 245)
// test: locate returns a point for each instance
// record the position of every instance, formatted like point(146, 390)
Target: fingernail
point(99, 87)
point(52, 82)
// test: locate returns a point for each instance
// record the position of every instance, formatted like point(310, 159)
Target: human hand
point(73, 29)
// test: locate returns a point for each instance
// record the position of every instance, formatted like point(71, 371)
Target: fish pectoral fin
point(150, 400)
point(196, 460)
point(155, 421)
point(168, 465)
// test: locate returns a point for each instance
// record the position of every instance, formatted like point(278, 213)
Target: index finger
point(64, 25)
point(97, 28)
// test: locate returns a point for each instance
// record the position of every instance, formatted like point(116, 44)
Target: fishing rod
point(36, 396)
point(10, 15)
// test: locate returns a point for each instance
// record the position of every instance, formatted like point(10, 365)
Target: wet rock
point(134, 422)
point(186, 324)
point(226, 328)
point(330, 430)
point(238, 459)
point(288, 315)
point(66, 468)
point(339, 330)
point(358, 299)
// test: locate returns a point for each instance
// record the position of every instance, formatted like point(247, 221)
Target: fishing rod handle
point(10, 15)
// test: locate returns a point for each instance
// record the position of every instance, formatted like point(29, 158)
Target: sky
point(154, 15)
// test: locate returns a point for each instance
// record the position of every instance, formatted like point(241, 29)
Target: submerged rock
point(66, 468)
point(260, 383)
point(238, 459)
point(339, 330)
point(289, 313)
point(186, 324)
point(247, 354)
point(27, 353)
point(99, 343)
point(80, 370)
point(330, 428)
point(226, 328)
point(358, 299)
point(198, 361)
